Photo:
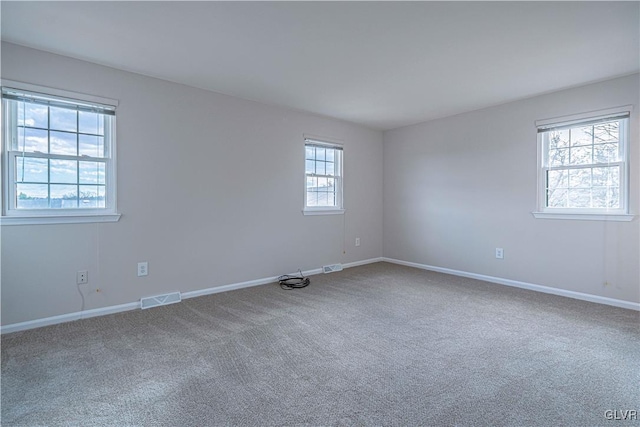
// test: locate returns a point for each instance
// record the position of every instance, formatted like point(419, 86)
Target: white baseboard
point(54, 320)
point(363, 262)
point(240, 285)
point(524, 285)
point(69, 317)
point(267, 280)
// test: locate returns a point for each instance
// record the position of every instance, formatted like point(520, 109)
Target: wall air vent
point(331, 268)
point(158, 300)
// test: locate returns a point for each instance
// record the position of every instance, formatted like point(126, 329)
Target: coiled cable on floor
point(288, 282)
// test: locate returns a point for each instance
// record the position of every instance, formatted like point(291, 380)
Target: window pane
point(580, 178)
point(32, 196)
point(29, 169)
point(32, 140)
point(559, 157)
point(91, 173)
point(312, 183)
point(63, 119)
point(330, 155)
point(64, 171)
point(312, 198)
point(599, 197)
point(33, 115)
point(310, 153)
point(64, 196)
point(64, 143)
point(581, 135)
point(608, 176)
point(605, 153)
point(90, 145)
point(91, 123)
point(102, 197)
point(320, 153)
point(557, 198)
point(613, 198)
point(558, 139)
point(320, 168)
point(89, 196)
point(606, 132)
point(331, 184)
point(581, 155)
point(558, 178)
point(322, 184)
point(579, 198)
point(310, 166)
point(325, 199)
point(330, 168)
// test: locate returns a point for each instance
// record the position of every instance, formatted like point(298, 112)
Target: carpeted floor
point(374, 345)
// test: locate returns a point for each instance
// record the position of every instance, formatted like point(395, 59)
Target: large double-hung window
point(323, 177)
point(583, 166)
point(58, 157)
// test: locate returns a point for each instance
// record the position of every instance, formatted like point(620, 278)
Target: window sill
point(60, 219)
point(583, 216)
point(323, 211)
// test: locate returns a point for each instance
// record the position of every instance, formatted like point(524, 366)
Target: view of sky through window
point(61, 157)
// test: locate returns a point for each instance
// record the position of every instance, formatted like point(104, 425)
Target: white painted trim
point(59, 219)
point(59, 93)
point(47, 321)
point(323, 212)
point(241, 285)
point(363, 262)
point(524, 285)
point(581, 117)
point(323, 139)
point(583, 216)
point(69, 317)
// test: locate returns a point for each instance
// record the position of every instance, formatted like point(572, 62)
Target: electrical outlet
point(143, 268)
point(357, 241)
point(82, 277)
point(499, 253)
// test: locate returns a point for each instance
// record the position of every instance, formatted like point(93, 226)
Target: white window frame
point(576, 120)
point(14, 216)
point(338, 178)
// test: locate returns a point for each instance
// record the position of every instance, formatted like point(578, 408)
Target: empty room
point(320, 213)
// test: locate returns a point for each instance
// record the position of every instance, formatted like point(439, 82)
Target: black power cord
point(288, 282)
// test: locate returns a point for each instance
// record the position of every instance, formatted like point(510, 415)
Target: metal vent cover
point(158, 300)
point(331, 268)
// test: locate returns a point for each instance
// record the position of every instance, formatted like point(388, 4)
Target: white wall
point(210, 188)
point(458, 187)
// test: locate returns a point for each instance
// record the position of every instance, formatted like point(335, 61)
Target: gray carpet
point(374, 345)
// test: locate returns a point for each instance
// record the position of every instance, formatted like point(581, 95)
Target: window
point(323, 178)
point(583, 166)
point(58, 158)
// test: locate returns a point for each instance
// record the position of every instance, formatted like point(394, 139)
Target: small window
point(583, 166)
point(59, 156)
point(323, 177)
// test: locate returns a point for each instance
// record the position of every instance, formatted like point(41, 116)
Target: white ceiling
point(380, 64)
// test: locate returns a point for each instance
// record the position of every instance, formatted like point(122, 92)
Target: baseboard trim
point(363, 262)
point(524, 285)
point(266, 280)
point(241, 285)
point(70, 317)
